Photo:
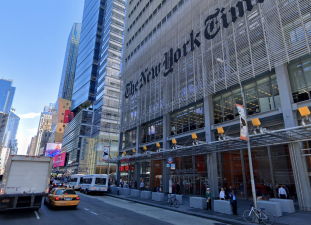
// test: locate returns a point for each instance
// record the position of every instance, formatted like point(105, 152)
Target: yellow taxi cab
point(62, 196)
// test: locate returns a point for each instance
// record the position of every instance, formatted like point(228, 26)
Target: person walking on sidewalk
point(222, 195)
point(208, 199)
point(282, 193)
point(177, 189)
point(142, 185)
point(135, 184)
point(233, 202)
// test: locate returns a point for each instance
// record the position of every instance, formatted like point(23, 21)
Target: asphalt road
point(95, 210)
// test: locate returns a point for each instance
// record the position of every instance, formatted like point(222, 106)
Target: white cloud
point(32, 130)
point(29, 115)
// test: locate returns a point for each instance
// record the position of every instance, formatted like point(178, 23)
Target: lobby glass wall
point(95, 163)
point(267, 179)
point(188, 119)
point(261, 94)
point(300, 78)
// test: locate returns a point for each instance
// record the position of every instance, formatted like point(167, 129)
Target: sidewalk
point(300, 217)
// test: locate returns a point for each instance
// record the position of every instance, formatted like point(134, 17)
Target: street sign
point(168, 165)
point(170, 160)
point(172, 166)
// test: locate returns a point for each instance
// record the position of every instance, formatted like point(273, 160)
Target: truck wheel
point(86, 192)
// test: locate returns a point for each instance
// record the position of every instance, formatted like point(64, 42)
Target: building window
point(129, 139)
point(261, 95)
point(152, 131)
point(300, 79)
point(61, 121)
point(188, 119)
point(60, 129)
point(62, 114)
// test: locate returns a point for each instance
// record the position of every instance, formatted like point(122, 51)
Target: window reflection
point(300, 79)
point(188, 119)
point(260, 95)
point(129, 139)
point(152, 131)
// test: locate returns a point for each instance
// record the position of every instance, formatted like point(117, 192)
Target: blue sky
point(33, 38)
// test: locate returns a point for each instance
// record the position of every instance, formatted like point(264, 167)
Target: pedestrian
point(208, 199)
point(130, 185)
point(241, 189)
point(135, 184)
point(233, 203)
point(222, 195)
point(258, 194)
point(158, 188)
point(287, 189)
point(142, 185)
point(282, 193)
point(121, 182)
point(177, 189)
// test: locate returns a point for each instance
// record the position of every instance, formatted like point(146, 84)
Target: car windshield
point(73, 179)
point(65, 192)
point(100, 181)
point(56, 181)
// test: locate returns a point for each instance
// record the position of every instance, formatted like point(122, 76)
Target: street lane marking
point(94, 213)
point(86, 209)
point(37, 215)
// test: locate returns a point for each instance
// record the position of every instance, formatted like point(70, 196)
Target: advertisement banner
point(243, 133)
point(106, 153)
point(66, 117)
point(59, 160)
point(126, 168)
point(132, 167)
point(53, 149)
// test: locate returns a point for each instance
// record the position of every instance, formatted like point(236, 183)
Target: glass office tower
point(106, 104)
point(69, 67)
point(10, 132)
point(6, 95)
point(86, 69)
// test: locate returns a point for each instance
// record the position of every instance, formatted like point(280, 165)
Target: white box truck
point(25, 182)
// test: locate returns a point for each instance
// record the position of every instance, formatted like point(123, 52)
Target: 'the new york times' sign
point(212, 28)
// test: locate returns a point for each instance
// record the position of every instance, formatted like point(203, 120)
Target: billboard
point(53, 149)
point(66, 116)
point(59, 160)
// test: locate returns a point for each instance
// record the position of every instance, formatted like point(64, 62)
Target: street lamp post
point(247, 134)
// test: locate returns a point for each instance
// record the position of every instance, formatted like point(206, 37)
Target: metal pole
point(249, 151)
point(248, 143)
point(108, 156)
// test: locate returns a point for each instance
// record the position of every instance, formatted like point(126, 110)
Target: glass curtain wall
point(129, 139)
point(188, 119)
point(300, 78)
point(95, 163)
point(262, 94)
point(152, 131)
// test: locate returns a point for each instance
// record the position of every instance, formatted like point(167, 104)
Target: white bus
point(94, 183)
point(75, 180)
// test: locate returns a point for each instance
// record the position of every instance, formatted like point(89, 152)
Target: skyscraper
point(97, 83)
point(69, 67)
point(44, 128)
point(6, 95)
point(86, 67)
point(11, 131)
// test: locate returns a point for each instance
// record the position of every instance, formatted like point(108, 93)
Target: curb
point(217, 218)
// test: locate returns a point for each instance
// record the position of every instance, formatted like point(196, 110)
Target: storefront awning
point(276, 137)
